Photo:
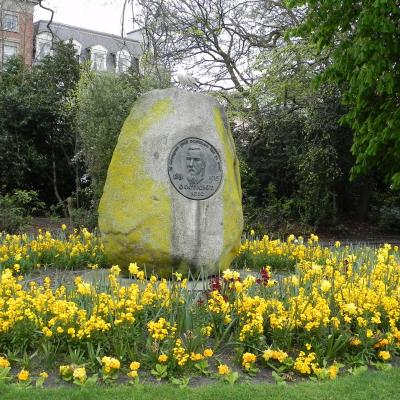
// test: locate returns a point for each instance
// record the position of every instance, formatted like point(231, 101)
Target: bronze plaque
point(195, 168)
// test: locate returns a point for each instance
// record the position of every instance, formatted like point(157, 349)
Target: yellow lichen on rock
point(130, 193)
point(232, 194)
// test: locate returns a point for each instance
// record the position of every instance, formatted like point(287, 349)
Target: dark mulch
point(46, 224)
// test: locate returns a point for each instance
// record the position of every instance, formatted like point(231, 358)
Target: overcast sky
point(98, 15)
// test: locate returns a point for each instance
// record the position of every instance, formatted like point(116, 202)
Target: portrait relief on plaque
point(195, 168)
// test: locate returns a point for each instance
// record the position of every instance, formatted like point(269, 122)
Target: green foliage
point(364, 37)
point(249, 181)
point(276, 215)
point(4, 375)
point(231, 378)
point(103, 103)
point(181, 382)
point(279, 380)
point(278, 263)
point(154, 75)
point(357, 371)
point(160, 371)
point(83, 217)
point(389, 218)
point(316, 176)
point(16, 153)
point(290, 151)
point(332, 347)
point(16, 209)
point(36, 135)
point(295, 156)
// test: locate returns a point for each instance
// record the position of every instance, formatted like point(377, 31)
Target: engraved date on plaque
point(195, 168)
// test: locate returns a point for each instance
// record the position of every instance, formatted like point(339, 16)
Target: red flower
point(265, 277)
point(215, 283)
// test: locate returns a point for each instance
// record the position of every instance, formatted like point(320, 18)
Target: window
point(99, 61)
point(43, 45)
point(9, 50)
point(44, 50)
point(98, 56)
point(124, 61)
point(77, 47)
point(10, 22)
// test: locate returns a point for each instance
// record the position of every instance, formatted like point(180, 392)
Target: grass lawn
point(371, 385)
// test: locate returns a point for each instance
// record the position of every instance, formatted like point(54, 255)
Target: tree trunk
point(365, 196)
point(55, 186)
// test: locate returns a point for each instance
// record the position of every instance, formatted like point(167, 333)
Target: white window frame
point(42, 38)
point(101, 51)
point(10, 44)
point(77, 46)
point(10, 14)
point(122, 55)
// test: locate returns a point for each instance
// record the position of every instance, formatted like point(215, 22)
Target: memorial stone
point(172, 198)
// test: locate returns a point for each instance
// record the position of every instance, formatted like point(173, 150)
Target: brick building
point(16, 29)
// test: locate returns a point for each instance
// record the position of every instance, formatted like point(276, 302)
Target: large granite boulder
point(172, 198)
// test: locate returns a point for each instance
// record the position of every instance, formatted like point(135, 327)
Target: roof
point(89, 38)
point(134, 31)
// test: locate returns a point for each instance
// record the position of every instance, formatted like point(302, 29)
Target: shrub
point(104, 101)
point(389, 217)
point(16, 209)
point(82, 217)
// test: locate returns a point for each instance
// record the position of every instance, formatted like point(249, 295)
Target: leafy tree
point(301, 155)
point(53, 81)
point(18, 153)
point(365, 39)
point(103, 103)
point(35, 127)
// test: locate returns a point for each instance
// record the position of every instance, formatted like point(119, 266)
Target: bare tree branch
point(228, 33)
point(50, 20)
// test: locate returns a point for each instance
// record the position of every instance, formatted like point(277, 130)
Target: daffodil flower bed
point(24, 253)
point(337, 310)
point(282, 255)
